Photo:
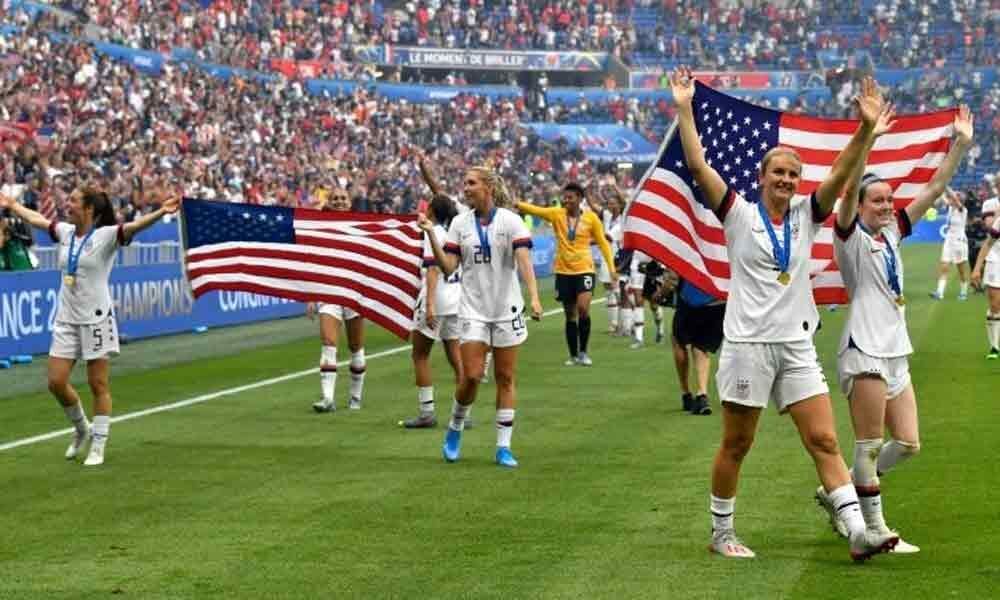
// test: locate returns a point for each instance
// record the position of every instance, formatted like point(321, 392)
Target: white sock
point(357, 373)
point(328, 372)
point(638, 327)
point(963, 288)
point(486, 363)
point(658, 317)
point(505, 426)
point(993, 330)
point(425, 400)
point(77, 417)
point(722, 512)
point(866, 482)
point(625, 319)
point(845, 501)
point(613, 310)
point(102, 428)
point(893, 453)
point(458, 414)
point(942, 282)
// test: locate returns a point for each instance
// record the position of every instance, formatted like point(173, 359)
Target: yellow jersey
point(573, 255)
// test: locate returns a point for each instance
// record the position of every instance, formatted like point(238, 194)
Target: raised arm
point(847, 210)
point(168, 208)
point(446, 262)
point(870, 105)
point(713, 187)
point(926, 197)
point(427, 173)
point(523, 258)
point(542, 212)
point(33, 218)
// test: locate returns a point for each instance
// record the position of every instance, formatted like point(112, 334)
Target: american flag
point(366, 262)
point(668, 220)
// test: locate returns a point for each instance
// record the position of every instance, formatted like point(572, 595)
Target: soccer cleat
point(838, 524)
point(961, 298)
point(659, 336)
point(935, 296)
point(687, 401)
point(700, 405)
point(354, 403)
point(324, 407)
point(727, 544)
point(422, 422)
point(571, 362)
point(485, 379)
point(866, 544)
point(79, 441)
point(637, 345)
point(993, 354)
point(583, 360)
point(96, 455)
point(452, 445)
point(903, 547)
point(505, 458)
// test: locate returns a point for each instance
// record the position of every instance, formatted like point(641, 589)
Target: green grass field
point(251, 495)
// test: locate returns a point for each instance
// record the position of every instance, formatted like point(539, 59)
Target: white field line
point(220, 394)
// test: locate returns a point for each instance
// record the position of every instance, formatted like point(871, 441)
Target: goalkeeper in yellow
point(575, 230)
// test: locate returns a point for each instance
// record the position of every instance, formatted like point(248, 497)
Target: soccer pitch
point(251, 495)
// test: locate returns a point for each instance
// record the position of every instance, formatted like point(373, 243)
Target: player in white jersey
point(436, 318)
point(987, 273)
point(85, 327)
point(491, 244)
point(768, 354)
point(330, 318)
point(872, 364)
point(611, 217)
point(955, 250)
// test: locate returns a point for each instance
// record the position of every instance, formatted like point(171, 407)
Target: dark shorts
point(568, 287)
point(699, 326)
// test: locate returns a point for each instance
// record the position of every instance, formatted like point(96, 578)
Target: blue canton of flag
point(219, 222)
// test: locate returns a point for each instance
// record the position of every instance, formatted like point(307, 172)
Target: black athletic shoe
point(421, 422)
point(700, 406)
point(687, 400)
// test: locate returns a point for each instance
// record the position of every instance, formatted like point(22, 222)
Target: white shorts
point(87, 342)
point(604, 274)
point(503, 334)
point(991, 274)
point(636, 280)
point(336, 311)
point(753, 374)
point(894, 371)
point(447, 327)
point(955, 251)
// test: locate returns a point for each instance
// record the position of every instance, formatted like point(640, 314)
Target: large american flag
point(367, 262)
point(667, 218)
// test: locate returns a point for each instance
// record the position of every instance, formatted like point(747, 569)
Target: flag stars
point(737, 161)
point(767, 125)
point(719, 123)
point(732, 181)
point(743, 141)
point(735, 127)
point(726, 168)
point(731, 147)
point(729, 116)
point(718, 111)
point(763, 145)
point(678, 164)
point(746, 120)
point(756, 132)
point(754, 185)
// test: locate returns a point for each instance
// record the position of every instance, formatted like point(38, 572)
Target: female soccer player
point(872, 361)
point(611, 219)
point(330, 318)
point(771, 317)
point(436, 317)
point(955, 250)
point(574, 267)
point(491, 244)
point(85, 326)
point(987, 272)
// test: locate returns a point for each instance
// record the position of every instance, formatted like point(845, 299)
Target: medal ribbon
point(484, 240)
point(73, 260)
point(782, 255)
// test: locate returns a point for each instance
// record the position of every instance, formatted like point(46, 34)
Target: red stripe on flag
point(905, 124)
point(826, 157)
point(684, 269)
point(367, 252)
point(708, 233)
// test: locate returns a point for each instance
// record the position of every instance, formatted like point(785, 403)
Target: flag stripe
point(907, 124)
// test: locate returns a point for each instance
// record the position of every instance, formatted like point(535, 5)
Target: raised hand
point(682, 87)
point(424, 223)
point(870, 102)
point(886, 120)
point(171, 204)
point(963, 125)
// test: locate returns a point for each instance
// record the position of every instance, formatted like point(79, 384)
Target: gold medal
point(69, 280)
point(785, 278)
point(900, 300)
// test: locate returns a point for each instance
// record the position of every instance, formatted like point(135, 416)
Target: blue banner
point(143, 60)
point(441, 94)
point(503, 60)
point(150, 300)
point(601, 142)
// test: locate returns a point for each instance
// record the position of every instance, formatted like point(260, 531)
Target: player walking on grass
point(575, 229)
point(872, 364)
point(768, 354)
point(436, 317)
point(85, 327)
point(987, 273)
point(611, 220)
point(331, 316)
point(955, 249)
point(491, 244)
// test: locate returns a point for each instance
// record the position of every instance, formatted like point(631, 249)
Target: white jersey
point(989, 210)
point(88, 300)
point(611, 224)
point(491, 291)
point(954, 231)
point(760, 308)
point(876, 324)
point(448, 291)
point(994, 232)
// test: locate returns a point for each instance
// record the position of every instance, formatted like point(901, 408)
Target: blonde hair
point(775, 152)
point(502, 197)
